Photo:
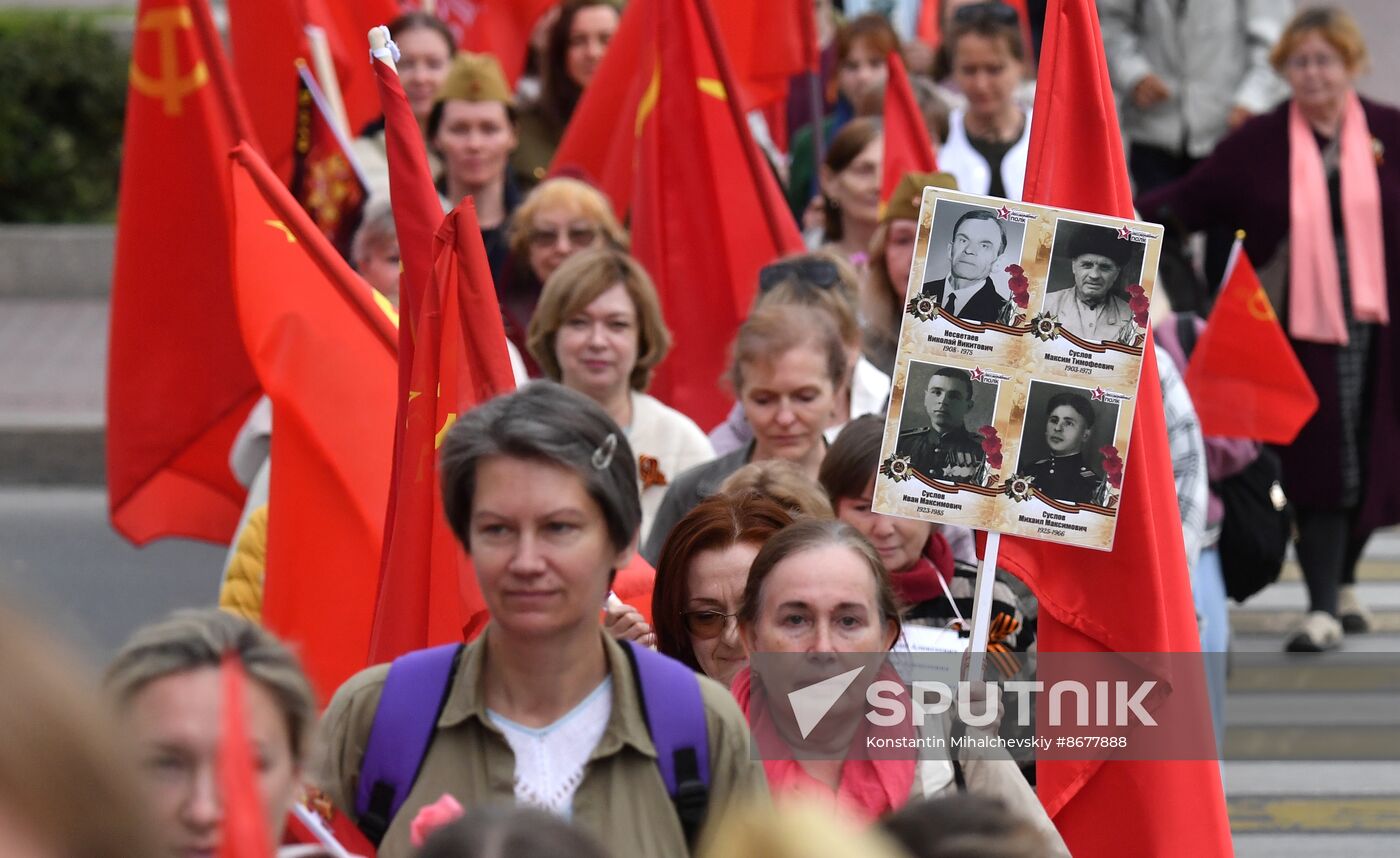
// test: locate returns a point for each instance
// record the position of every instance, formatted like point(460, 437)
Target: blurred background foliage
point(62, 103)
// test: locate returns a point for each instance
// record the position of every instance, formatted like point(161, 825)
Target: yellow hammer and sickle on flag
point(648, 100)
point(277, 224)
point(1259, 306)
point(170, 86)
point(711, 87)
point(446, 424)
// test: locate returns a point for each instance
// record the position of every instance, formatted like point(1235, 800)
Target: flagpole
point(325, 73)
point(982, 607)
point(1234, 258)
point(731, 98)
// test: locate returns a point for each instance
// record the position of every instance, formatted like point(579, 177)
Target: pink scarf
point(1315, 289)
point(868, 789)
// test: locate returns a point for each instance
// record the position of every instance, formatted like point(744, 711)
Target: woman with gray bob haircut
point(528, 425)
point(543, 709)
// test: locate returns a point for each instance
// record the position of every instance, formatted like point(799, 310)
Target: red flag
point(498, 27)
point(243, 828)
point(179, 384)
point(268, 37)
point(325, 179)
point(1136, 598)
point(1244, 378)
point(908, 148)
point(417, 209)
point(671, 146)
point(427, 593)
point(765, 41)
point(325, 353)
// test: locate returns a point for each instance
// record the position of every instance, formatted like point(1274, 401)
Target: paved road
point(58, 554)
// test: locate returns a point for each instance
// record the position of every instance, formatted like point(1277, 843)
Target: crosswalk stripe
point(1316, 814)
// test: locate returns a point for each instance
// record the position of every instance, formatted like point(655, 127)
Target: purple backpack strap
point(404, 723)
point(675, 716)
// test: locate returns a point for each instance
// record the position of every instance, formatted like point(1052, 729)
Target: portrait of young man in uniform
point(979, 239)
point(942, 447)
point(1089, 299)
point(1068, 425)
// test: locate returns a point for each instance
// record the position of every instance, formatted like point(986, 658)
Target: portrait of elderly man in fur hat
point(1092, 306)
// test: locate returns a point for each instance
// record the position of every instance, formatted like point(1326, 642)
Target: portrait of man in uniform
point(1086, 289)
point(1066, 430)
point(939, 405)
point(979, 238)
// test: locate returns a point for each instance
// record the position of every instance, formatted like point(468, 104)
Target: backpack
point(416, 690)
point(1258, 518)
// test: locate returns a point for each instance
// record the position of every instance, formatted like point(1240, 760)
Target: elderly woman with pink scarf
point(1316, 186)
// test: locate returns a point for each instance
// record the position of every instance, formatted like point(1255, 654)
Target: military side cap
point(909, 194)
point(1099, 240)
point(475, 77)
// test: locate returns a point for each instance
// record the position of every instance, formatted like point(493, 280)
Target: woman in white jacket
point(989, 138)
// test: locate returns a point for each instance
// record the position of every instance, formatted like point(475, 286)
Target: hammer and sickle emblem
point(1259, 306)
point(170, 86)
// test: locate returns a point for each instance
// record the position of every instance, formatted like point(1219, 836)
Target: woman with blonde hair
point(598, 329)
point(557, 219)
point(786, 365)
point(825, 282)
point(1316, 188)
point(166, 686)
point(782, 482)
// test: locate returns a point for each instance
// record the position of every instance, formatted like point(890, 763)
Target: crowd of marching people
point(588, 720)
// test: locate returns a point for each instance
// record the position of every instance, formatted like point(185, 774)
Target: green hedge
point(62, 101)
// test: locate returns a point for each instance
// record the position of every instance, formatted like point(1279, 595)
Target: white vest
point(974, 176)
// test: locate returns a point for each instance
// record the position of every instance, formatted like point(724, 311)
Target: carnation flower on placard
point(1112, 466)
point(1138, 303)
point(1020, 286)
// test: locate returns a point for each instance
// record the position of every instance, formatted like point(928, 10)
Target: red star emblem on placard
point(977, 373)
point(1098, 394)
point(1004, 213)
point(1125, 234)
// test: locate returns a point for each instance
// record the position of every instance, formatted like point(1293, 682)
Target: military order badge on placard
point(1018, 365)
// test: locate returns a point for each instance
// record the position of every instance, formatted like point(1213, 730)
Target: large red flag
point(178, 381)
point(243, 828)
point(1136, 598)
point(498, 27)
point(427, 592)
point(659, 131)
point(268, 37)
point(1244, 378)
point(324, 347)
point(908, 147)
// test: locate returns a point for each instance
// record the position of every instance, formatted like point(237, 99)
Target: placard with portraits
point(1017, 372)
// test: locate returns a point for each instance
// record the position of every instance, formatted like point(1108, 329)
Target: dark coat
point(1244, 185)
point(984, 306)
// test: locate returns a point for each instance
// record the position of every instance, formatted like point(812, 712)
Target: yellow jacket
point(242, 590)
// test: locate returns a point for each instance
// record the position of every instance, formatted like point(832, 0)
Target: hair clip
point(603, 456)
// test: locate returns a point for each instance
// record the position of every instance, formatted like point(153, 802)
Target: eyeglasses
point(708, 625)
point(579, 237)
point(820, 273)
point(997, 12)
point(1299, 62)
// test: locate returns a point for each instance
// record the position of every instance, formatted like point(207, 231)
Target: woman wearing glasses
point(700, 581)
point(1314, 184)
point(988, 140)
point(598, 330)
point(557, 219)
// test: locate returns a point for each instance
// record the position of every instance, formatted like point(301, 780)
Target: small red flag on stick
point(1244, 378)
